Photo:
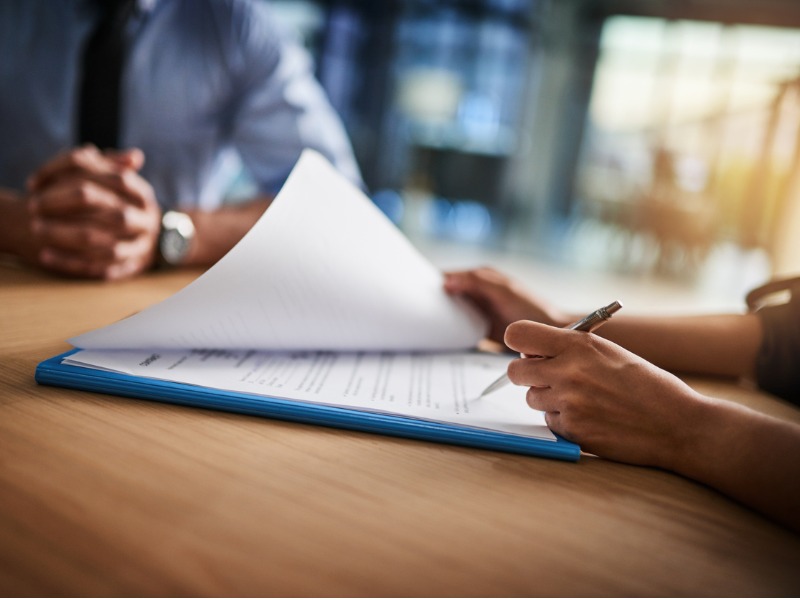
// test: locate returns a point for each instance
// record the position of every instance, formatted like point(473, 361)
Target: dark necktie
point(103, 56)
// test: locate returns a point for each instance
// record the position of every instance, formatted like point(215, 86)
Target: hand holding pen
point(588, 324)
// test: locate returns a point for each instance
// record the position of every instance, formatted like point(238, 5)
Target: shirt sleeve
point(778, 360)
point(280, 108)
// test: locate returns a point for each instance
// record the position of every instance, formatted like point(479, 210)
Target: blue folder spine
point(53, 372)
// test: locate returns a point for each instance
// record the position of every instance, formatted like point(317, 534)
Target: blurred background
point(640, 142)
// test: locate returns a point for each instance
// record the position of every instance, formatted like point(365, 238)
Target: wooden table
point(108, 496)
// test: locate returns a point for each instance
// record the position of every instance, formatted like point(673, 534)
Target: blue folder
point(53, 372)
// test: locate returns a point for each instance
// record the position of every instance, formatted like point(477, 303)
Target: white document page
point(441, 387)
point(323, 269)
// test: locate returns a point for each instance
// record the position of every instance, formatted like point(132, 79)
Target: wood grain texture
point(109, 496)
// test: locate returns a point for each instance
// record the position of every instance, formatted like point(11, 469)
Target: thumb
point(537, 339)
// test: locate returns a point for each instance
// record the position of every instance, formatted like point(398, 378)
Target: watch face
point(174, 246)
point(177, 233)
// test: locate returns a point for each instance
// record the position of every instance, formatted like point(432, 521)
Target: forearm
point(216, 232)
point(748, 456)
point(724, 345)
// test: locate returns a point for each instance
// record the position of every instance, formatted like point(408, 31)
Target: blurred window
point(693, 134)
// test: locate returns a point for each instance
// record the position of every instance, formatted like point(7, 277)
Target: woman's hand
point(604, 398)
point(501, 299)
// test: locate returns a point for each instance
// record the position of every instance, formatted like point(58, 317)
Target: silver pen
point(588, 323)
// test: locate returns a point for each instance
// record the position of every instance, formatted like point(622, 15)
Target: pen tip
point(613, 307)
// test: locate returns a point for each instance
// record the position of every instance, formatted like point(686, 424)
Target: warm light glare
point(693, 138)
point(695, 69)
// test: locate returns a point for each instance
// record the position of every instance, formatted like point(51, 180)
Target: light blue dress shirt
point(207, 85)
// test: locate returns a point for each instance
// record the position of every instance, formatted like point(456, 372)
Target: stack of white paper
point(325, 301)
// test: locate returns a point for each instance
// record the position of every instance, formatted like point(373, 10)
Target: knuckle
point(516, 370)
point(555, 423)
point(84, 193)
point(122, 179)
point(74, 159)
point(106, 272)
point(80, 158)
point(120, 270)
point(129, 180)
point(116, 252)
point(125, 218)
point(532, 398)
point(490, 275)
point(479, 275)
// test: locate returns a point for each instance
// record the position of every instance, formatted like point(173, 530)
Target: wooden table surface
point(108, 496)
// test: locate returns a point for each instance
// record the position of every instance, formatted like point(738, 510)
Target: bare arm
point(749, 456)
point(217, 231)
point(723, 345)
point(619, 406)
point(93, 215)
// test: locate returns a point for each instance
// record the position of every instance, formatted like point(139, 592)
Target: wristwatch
point(177, 234)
